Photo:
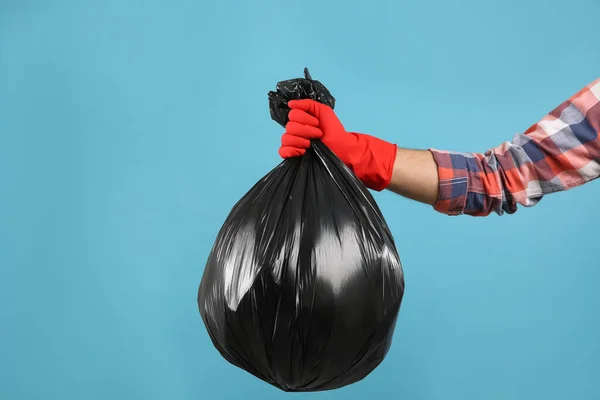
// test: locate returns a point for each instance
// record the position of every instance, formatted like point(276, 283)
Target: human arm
point(559, 152)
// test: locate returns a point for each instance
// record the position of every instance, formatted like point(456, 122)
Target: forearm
point(457, 183)
point(463, 183)
point(415, 176)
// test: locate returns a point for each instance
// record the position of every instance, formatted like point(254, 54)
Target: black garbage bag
point(303, 285)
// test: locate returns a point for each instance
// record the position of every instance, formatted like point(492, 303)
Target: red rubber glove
point(371, 159)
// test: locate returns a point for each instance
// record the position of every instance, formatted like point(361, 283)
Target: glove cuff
point(374, 161)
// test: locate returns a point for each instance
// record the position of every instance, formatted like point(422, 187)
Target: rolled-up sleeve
point(559, 152)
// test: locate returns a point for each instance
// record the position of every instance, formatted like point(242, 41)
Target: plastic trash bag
point(303, 285)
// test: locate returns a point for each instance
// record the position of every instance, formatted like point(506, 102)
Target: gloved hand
point(371, 159)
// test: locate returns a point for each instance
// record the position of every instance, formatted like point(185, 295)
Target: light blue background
point(128, 129)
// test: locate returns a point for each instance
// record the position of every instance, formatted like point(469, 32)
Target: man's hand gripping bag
point(304, 283)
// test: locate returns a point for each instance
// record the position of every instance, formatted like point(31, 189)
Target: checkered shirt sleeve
point(560, 152)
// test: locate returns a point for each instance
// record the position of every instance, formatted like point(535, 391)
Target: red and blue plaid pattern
point(560, 152)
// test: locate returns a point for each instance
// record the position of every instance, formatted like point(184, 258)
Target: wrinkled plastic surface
point(297, 89)
point(303, 285)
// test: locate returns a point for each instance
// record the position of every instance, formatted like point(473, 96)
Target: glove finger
point(295, 141)
point(289, 152)
point(310, 106)
point(305, 131)
point(302, 117)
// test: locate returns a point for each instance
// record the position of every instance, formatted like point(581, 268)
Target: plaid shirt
point(560, 152)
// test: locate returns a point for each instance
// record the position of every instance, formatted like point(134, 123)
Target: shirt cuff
point(453, 182)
